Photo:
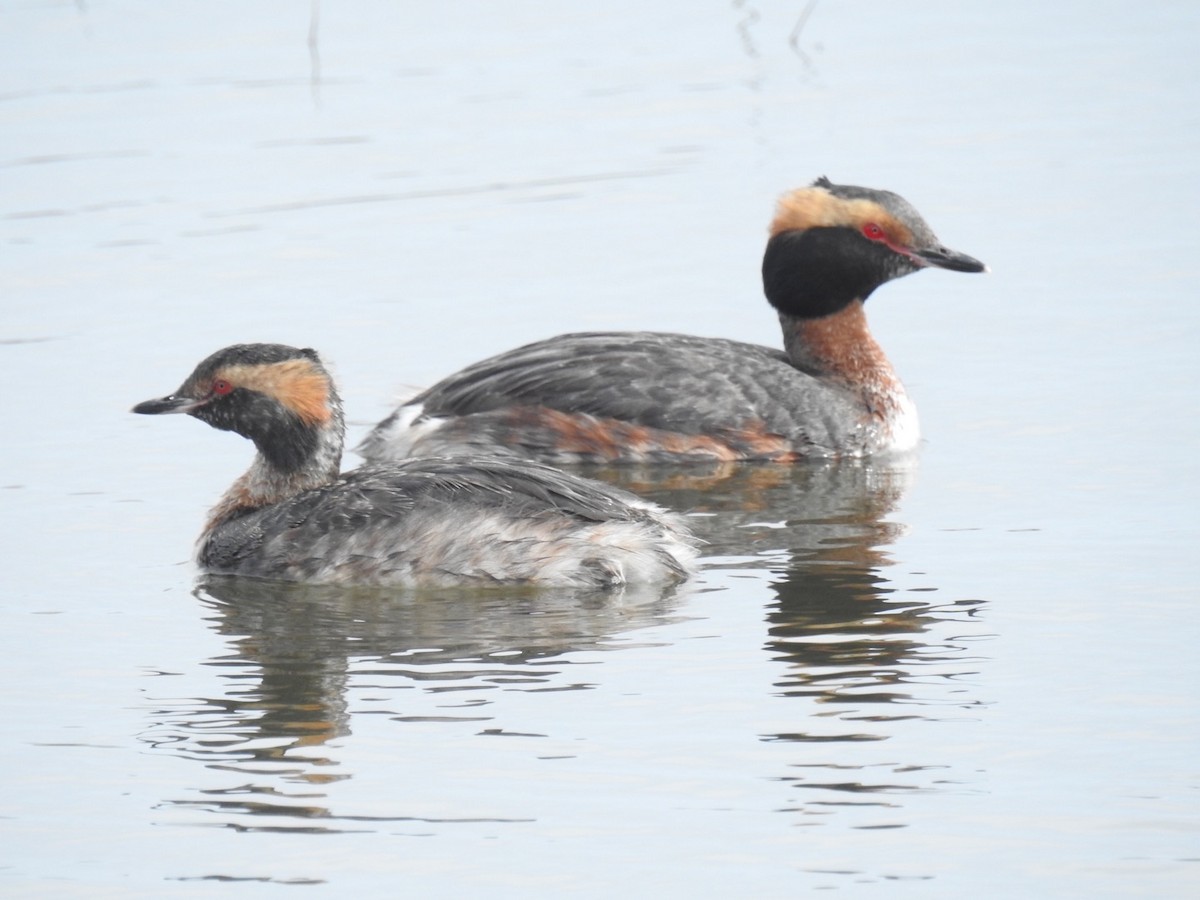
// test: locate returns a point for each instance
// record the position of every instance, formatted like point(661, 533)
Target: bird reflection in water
point(858, 652)
point(301, 655)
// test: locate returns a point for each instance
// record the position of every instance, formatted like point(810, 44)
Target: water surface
point(970, 674)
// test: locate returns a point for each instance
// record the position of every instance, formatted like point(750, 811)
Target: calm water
point(972, 675)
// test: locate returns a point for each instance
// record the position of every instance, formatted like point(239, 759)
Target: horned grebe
point(292, 517)
point(645, 397)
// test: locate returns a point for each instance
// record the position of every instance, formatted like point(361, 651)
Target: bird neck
point(309, 457)
point(840, 347)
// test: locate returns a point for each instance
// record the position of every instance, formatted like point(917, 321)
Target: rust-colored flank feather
point(611, 439)
point(575, 436)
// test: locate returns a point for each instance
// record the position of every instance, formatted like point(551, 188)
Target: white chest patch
point(904, 428)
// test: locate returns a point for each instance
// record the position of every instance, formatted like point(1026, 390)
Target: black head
point(278, 396)
point(832, 244)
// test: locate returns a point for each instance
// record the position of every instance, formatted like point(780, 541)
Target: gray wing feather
point(379, 493)
point(415, 509)
point(673, 382)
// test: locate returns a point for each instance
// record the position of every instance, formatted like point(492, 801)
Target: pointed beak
point(945, 258)
point(172, 404)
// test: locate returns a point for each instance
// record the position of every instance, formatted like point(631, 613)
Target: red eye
point(221, 387)
point(873, 232)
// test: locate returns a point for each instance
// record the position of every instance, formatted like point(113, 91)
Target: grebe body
point(625, 397)
point(428, 521)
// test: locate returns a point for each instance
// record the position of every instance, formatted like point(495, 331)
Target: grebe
point(645, 397)
point(293, 517)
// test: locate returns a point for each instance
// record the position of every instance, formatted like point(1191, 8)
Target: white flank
point(397, 440)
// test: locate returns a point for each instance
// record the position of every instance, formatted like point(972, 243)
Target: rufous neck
point(839, 347)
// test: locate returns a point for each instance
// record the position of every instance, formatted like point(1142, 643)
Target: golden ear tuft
point(816, 207)
point(306, 393)
point(800, 210)
point(295, 383)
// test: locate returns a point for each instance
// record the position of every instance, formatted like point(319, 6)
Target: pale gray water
point(975, 678)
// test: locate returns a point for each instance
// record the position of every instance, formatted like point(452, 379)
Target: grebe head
point(279, 397)
point(832, 244)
